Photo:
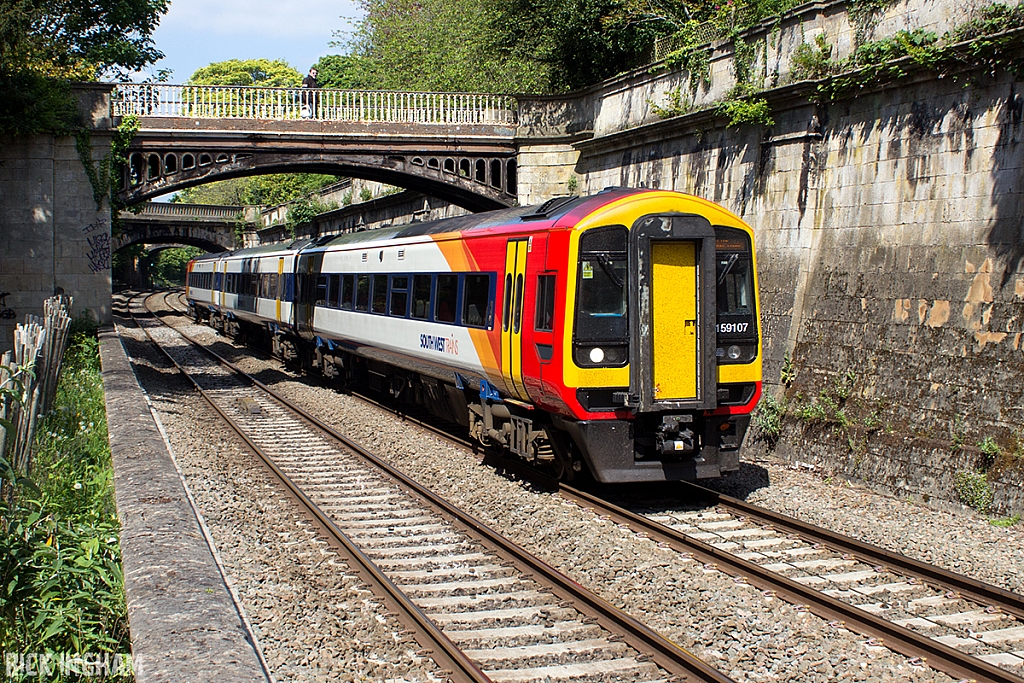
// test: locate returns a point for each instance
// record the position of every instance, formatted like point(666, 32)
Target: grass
point(61, 584)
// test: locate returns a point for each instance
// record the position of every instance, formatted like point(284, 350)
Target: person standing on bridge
point(309, 100)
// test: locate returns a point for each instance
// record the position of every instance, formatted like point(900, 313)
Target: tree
point(441, 45)
point(46, 43)
point(507, 45)
point(168, 268)
point(262, 190)
point(275, 73)
point(346, 72)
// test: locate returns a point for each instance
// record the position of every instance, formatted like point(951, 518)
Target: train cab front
point(667, 309)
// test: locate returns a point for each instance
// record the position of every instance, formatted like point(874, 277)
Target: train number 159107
point(734, 328)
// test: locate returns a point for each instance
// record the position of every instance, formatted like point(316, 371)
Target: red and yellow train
point(616, 333)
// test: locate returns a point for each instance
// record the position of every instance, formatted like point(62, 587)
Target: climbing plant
point(105, 175)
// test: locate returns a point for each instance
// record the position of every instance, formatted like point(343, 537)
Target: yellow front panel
point(674, 309)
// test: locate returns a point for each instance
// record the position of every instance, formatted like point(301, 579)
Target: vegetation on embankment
point(61, 584)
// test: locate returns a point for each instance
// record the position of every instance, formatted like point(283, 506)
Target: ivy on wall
point(105, 175)
point(990, 40)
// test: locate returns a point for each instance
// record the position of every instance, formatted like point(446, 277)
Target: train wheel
point(564, 465)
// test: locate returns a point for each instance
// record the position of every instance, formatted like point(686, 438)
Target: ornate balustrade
point(237, 102)
point(190, 210)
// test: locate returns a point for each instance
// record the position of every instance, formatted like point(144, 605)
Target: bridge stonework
point(53, 237)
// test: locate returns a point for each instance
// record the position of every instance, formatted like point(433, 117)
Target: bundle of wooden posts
point(28, 379)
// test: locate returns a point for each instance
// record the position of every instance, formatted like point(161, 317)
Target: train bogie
point(616, 334)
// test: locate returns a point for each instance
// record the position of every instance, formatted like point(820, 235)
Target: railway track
point(485, 609)
point(966, 628)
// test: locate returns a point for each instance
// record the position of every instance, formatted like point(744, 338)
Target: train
point(615, 334)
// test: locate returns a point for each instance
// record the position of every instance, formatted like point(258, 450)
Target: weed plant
point(61, 583)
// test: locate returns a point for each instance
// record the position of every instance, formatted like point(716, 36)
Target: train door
point(277, 290)
point(306, 272)
point(514, 290)
point(674, 363)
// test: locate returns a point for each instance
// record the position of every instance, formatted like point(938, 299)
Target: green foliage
point(31, 103)
point(990, 451)
point(747, 110)
point(674, 106)
point(990, 20)
point(843, 386)
point(271, 73)
point(811, 62)
point(275, 188)
point(1012, 520)
point(980, 42)
point(304, 210)
point(346, 199)
point(46, 43)
point(694, 61)
point(973, 490)
point(61, 587)
point(78, 39)
point(345, 72)
point(169, 266)
point(572, 186)
point(499, 45)
point(788, 373)
point(365, 194)
point(769, 416)
point(104, 176)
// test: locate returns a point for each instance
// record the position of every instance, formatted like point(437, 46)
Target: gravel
point(733, 626)
point(965, 542)
point(314, 619)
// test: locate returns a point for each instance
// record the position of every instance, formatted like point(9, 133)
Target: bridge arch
point(477, 183)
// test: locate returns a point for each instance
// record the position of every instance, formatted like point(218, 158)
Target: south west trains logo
point(439, 344)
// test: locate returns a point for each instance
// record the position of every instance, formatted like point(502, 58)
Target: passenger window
point(421, 296)
point(363, 293)
point(380, 294)
point(507, 303)
point(334, 291)
point(476, 296)
point(446, 298)
point(321, 290)
point(545, 321)
point(347, 291)
point(399, 295)
point(518, 312)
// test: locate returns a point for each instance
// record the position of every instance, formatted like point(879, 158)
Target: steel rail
point(645, 640)
point(445, 653)
point(971, 589)
point(897, 638)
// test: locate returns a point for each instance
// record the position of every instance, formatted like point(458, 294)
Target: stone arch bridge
point(211, 228)
point(459, 147)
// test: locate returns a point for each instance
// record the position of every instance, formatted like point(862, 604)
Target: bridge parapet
point(357, 106)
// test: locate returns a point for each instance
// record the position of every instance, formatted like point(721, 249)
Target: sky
point(195, 33)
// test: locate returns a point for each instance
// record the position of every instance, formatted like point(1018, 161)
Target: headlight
point(736, 353)
point(605, 356)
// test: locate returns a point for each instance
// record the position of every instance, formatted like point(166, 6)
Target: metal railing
point(238, 102)
point(189, 210)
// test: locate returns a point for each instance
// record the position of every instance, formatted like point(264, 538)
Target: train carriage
point(617, 333)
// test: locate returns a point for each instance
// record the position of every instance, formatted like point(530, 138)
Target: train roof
point(542, 215)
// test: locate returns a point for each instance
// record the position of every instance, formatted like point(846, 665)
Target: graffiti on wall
point(98, 237)
point(6, 313)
